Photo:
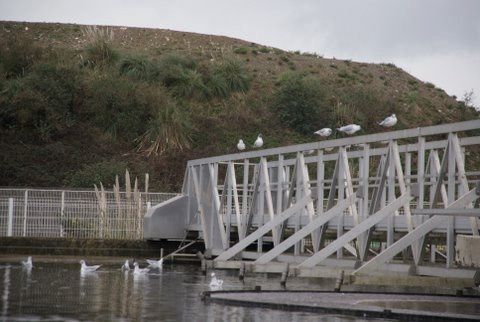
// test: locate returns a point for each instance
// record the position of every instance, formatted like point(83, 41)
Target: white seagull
point(215, 283)
point(349, 129)
point(258, 142)
point(28, 263)
point(88, 269)
point(126, 266)
point(326, 131)
point(154, 263)
point(240, 145)
point(389, 121)
point(139, 271)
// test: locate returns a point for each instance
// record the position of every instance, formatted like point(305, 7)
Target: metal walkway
point(391, 201)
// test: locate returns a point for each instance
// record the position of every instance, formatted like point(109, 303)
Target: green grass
point(241, 50)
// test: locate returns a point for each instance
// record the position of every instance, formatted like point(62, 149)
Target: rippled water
point(58, 292)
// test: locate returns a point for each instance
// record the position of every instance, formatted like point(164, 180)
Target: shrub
point(180, 74)
point(90, 174)
point(119, 107)
point(300, 102)
point(241, 50)
point(358, 103)
point(99, 51)
point(169, 70)
point(343, 74)
point(58, 84)
point(264, 50)
point(168, 129)
point(189, 84)
point(234, 74)
point(136, 66)
point(43, 100)
point(178, 60)
point(17, 56)
point(218, 86)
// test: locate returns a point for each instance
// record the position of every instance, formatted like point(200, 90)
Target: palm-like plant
point(167, 130)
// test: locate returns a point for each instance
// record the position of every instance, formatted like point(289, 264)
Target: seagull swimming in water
point(349, 129)
point(154, 263)
point(215, 283)
point(126, 266)
point(389, 121)
point(258, 142)
point(240, 145)
point(28, 263)
point(139, 271)
point(88, 269)
point(324, 132)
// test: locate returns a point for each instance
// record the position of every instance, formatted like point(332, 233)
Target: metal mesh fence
point(74, 214)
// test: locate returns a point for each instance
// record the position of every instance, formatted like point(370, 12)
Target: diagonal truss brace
point(217, 206)
point(264, 229)
point(308, 229)
point(419, 232)
point(356, 231)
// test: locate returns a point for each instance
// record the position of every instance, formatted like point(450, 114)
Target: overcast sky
point(435, 40)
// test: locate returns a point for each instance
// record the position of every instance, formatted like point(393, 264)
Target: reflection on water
point(58, 292)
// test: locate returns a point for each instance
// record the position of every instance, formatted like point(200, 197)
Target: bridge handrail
point(363, 139)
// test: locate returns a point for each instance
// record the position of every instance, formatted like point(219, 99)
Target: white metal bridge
point(391, 201)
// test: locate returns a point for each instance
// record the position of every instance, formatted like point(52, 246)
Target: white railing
point(74, 214)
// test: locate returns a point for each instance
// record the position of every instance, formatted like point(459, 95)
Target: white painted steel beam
point(305, 231)
point(414, 235)
point(241, 245)
point(203, 219)
point(216, 204)
point(268, 196)
point(460, 161)
point(356, 231)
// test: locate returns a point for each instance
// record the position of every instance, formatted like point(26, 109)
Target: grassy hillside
point(80, 104)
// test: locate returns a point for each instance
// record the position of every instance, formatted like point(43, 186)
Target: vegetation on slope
point(79, 104)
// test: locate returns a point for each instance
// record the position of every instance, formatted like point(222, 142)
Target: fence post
point(62, 213)
point(25, 208)
point(10, 217)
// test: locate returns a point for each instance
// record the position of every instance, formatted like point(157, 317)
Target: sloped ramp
point(166, 220)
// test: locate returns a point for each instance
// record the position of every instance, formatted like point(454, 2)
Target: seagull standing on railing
point(241, 145)
point(88, 269)
point(215, 283)
point(389, 121)
point(126, 266)
point(349, 129)
point(139, 271)
point(28, 263)
point(258, 142)
point(324, 132)
point(154, 263)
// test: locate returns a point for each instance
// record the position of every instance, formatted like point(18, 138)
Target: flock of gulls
point(215, 283)
point(349, 129)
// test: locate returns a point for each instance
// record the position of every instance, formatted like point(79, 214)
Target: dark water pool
point(58, 292)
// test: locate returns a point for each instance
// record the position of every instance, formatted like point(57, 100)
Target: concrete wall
point(167, 220)
point(468, 250)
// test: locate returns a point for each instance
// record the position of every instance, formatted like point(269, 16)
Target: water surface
point(58, 292)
